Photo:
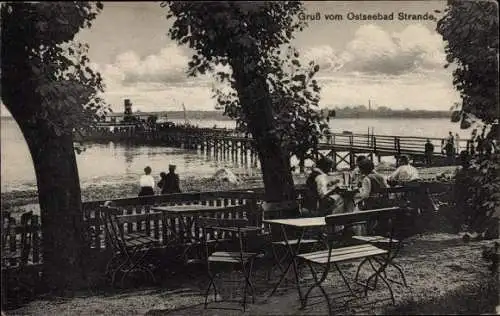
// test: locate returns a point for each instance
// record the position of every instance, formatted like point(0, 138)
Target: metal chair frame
point(236, 228)
point(338, 252)
point(129, 250)
point(279, 210)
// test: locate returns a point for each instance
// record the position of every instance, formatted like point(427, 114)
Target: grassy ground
point(446, 276)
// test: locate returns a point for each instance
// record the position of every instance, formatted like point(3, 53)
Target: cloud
point(375, 51)
point(394, 92)
point(168, 66)
point(324, 56)
point(391, 69)
point(158, 97)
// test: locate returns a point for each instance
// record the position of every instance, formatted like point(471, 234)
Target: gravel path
point(437, 267)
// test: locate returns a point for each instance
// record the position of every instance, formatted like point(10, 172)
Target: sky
point(398, 64)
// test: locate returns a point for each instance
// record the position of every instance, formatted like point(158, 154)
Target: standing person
point(449, 151)
point(450, 138)
point(457, 143)
point(429, 150)
point(147, 183)
point(450, 143)
point(405, 172)
point(171, 183)
point(480, 145)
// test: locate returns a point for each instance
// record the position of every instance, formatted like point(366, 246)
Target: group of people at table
point(325, 196)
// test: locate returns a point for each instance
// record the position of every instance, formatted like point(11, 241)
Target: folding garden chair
point(392, 241)
point(341, 249)
point(15, 252)
point(279, 247)
point(129, 250)
point(236, 229)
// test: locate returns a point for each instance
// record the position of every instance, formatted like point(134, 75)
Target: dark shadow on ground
point(470, 299)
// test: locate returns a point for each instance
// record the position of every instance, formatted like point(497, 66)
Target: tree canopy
point(38, 44)
point(259, 33)
point(470, 30)
point(249, 38)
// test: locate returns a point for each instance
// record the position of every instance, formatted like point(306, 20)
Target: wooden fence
point(165, 228)
point(159, 227)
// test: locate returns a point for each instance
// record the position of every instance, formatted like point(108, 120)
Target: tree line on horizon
point(340, 112)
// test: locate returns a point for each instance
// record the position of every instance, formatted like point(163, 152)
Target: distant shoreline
point(340, 114)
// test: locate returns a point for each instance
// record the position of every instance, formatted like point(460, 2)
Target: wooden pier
point(342, 147)
point(227, 144)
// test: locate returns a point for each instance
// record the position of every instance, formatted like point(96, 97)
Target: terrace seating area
point(140, 237)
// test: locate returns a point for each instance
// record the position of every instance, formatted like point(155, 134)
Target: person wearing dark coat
point(169, 183)
point(429, 150)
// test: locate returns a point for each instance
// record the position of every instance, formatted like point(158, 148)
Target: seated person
point(370, 183)
point(147, 183)
point(170, 182)
point(356, 174)
point(321, 198)
point(405, 173)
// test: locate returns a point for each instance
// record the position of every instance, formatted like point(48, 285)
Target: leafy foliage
point(295, 97)
point(267, 27)
point(62, 89)
point(470, 29)
point(248, 37)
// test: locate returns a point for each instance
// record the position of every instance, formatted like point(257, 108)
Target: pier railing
point(385, 144)
point(230, 142)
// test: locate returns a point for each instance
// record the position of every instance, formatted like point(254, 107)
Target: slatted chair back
point(284, 209)
point(27, 226)
point(395, 196)
point(7, 224)
point(276, 210)
point(214, 227)
point(388, 221)
point(214, 223)
point(16, 252)
point(112, 227)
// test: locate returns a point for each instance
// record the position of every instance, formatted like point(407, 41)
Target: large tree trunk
point(256, 103)
point(63, 245)
point(63, 237)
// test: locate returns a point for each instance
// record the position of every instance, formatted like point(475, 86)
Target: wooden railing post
point(36, 238)
point(254, 216)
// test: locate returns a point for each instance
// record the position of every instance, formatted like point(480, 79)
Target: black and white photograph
point(250, 158)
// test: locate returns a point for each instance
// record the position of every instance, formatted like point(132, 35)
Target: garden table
point(298, 223)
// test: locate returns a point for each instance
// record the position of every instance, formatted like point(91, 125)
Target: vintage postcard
point(262, 158)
